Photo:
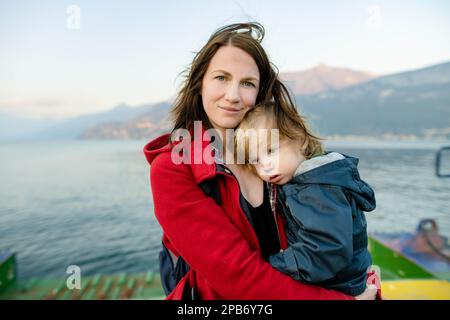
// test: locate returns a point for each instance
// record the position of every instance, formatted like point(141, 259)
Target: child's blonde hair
point(290, 124)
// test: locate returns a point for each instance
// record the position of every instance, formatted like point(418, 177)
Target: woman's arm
point(205, 237)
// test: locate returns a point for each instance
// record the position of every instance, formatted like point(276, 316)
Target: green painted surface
point(7, 271)
point(98, 287)
point(394, 265)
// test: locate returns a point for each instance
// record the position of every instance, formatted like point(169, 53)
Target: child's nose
point(266, 164)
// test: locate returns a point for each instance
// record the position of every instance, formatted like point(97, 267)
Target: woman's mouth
point(232, 110)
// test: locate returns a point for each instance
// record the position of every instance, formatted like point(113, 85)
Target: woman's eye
point(248, 84)
point(220, 78)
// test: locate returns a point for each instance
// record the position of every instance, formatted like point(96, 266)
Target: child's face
point(278, 166)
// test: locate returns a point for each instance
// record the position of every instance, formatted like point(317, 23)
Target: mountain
point(13, 127)
point(150, 123)
point(75, 127)
point(322, 78)
point(408, 103)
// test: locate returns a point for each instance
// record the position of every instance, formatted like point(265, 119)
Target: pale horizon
point(59, 61)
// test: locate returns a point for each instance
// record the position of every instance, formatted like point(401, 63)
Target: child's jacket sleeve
point(319, 232)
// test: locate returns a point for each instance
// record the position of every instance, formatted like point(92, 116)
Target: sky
point(60, 59)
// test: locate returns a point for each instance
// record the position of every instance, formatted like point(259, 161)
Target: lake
point(88, 203)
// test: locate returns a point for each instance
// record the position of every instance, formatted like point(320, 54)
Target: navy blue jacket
point(325, 225)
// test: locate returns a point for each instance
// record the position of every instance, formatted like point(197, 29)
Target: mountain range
point(322, 78)
point(413, 103)
point(337, 102)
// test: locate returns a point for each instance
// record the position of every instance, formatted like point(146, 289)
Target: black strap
point(211, 189)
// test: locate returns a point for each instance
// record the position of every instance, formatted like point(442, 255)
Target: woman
point(223, 243)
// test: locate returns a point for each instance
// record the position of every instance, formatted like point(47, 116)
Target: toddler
point(322, 197)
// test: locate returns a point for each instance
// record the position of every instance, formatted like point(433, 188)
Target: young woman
point(224, 243)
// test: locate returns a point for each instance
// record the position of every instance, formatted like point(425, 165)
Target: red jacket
point(217, 242)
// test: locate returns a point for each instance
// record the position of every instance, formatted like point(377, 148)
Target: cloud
point(47, 108)
point(26, 103)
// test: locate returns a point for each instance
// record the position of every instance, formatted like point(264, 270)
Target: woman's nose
point(232, 94)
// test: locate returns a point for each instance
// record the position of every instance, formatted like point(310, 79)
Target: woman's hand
point(369, 294)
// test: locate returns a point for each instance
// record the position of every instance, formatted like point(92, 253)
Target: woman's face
point(229, 87)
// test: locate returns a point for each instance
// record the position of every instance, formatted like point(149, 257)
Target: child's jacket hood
point(337, 169)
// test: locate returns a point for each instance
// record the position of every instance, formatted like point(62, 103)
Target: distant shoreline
point(386, 138)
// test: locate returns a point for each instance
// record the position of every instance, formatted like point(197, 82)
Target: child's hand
point(373, 285)
point(369, 294)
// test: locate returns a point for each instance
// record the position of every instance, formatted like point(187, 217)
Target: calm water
point(88, 203)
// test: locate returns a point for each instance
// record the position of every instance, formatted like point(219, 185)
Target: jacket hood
point(157, 146)
point(340, 170)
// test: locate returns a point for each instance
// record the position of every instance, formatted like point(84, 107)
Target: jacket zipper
point(273, 202)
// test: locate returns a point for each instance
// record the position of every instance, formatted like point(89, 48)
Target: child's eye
point(271, 151)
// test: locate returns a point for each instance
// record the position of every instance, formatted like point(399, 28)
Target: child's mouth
point(275, 178)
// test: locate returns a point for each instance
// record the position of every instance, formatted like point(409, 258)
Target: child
point(323, 198)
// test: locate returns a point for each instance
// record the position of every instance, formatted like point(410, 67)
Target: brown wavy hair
point(188, 106)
